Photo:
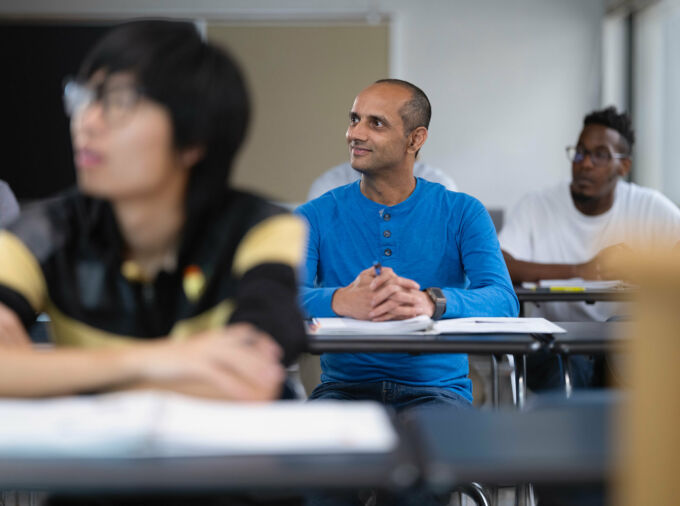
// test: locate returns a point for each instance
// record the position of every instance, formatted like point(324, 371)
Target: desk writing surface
point(424, 343)
point(590, 337)
point(587, 295)
point(155, 424)
point(393, 470)
point(568, 443)
point(159, 449)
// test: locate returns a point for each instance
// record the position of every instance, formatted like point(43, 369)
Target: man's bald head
point(417, 111)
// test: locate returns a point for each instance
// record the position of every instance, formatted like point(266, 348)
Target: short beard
point(581, 198)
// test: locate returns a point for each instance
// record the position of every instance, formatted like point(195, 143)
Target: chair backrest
point(497, 216)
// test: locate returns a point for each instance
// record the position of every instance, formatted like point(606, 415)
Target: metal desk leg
point(521, 380)
point(494, 381)
point(524, 495)
point(566, 371)
point(477, 493)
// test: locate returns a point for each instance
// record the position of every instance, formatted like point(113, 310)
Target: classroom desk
point(440, 448)
point(424, 343)
point(590, 337)
point(558, 443)
point(589, 296)
point(231, 474)
point(586, 338)
point(518, 345)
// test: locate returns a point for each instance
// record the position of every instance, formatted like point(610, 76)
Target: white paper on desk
point(197, 428)
point(334, 326)
point(497, 325)
point(154, 424)
point(115, 425)
point(582, 283)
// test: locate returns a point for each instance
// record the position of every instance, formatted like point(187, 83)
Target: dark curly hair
point(610, 118)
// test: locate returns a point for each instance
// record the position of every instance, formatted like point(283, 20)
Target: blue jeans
point(398, 396)
point(405, 400)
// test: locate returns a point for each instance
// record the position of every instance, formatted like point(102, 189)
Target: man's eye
point(602, 154)
point(378, 123)
point(353, 120)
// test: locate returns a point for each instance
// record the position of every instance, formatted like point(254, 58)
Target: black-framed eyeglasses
point(118, 100)
point(599, 156)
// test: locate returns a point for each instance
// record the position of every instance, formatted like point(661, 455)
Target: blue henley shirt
point(435, 237)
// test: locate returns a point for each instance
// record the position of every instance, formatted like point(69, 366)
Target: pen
point(504, 322)
point(376, 267)
point(567, 289)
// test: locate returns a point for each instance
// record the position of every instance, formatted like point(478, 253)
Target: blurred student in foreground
point(153, 271)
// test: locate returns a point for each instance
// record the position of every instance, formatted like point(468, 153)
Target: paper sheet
point(351, 326)
point(154, 424)
point(576, 283)
point(497, 325)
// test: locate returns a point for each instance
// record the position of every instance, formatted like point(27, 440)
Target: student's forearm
point(532, 271)
point(33, 373)
point(193, 388)
point(202, 389)
point(493, 300)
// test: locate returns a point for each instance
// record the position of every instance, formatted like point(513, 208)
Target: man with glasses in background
point(569, 230)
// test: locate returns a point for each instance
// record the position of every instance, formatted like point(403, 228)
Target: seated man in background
point(154, 272)
point(9, 207)
point(343, 174)
point(570, 229)
point(424, 236)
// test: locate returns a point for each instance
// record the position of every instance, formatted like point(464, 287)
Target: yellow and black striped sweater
point(64, 256)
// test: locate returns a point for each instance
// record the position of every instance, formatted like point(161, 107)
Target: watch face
point(435, 294)
point(439, 300)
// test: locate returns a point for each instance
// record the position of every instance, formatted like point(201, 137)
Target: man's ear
point(188, 157)
point(417, 138)
point(624, 166)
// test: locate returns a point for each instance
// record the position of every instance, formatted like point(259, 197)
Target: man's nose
point(356, 132)
point(587, 161)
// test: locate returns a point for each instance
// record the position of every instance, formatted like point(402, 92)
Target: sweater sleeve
point(490, 291)
point(316, 301)
point(266, 262)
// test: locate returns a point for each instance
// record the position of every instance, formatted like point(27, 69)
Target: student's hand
point(602, 267)
point(397, 298)
point(239, 362)
point(355, 299)
point(12, 332)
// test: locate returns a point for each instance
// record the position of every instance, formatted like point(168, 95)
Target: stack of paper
point(497, 325)
point(153, 424)
point(352, 326)
point(423, 324)
point(576, 283)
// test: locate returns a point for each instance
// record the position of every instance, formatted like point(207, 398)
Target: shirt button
point(386, 216)
point(387, 233)
point(388, 252)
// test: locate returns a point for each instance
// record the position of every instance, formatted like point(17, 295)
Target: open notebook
point(576, 283)
point(155, 424)
point(424, 324)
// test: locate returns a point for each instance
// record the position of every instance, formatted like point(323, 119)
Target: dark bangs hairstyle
point(201, 86)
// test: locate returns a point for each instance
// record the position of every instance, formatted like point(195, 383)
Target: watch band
point(439, 300)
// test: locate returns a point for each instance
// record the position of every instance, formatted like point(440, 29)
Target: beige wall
point(303, 80)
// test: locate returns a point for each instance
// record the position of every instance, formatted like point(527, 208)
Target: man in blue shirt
point(438, 251)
